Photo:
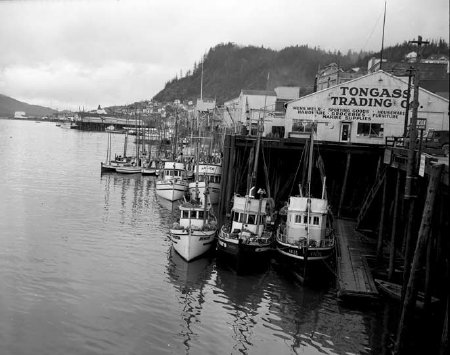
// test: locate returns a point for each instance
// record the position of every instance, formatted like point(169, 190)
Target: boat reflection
point(189, 279)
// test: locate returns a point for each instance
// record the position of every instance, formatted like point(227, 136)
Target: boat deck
point(354, 279)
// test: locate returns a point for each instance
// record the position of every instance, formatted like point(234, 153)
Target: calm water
point(86, 267)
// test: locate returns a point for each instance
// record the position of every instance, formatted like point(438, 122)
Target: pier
point(354, 277)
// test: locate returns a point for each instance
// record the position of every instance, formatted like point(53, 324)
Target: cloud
point(112, 52)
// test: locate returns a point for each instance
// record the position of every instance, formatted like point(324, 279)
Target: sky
point(71, 54)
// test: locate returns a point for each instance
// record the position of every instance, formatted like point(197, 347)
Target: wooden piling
point(381, 227)
point(394, 229)
point(344, 183)
point(411, 291)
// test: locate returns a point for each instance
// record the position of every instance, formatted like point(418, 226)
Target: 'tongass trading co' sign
point(361, 103)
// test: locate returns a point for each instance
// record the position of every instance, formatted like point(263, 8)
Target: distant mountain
point(9, 105)
point(228, 68)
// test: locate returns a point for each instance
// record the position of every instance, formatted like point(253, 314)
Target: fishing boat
point(394, 291)
point(306, 233)
point(207, 174)
point(171, 183)
point(129, 168)
point(108, 165)
point(150, 167)
point(194, 233)
point(248, 233)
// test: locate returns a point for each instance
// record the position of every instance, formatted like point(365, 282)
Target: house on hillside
point(364, 110)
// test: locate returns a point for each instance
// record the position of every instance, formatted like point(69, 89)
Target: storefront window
point(370, 129)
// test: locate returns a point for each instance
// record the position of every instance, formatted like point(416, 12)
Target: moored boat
point(207, 175)
point(129, 168)
point(194, 233)
point(150, 167)
point(394, 291)
point(306, 234)
point(171, 183)
point(249, 232)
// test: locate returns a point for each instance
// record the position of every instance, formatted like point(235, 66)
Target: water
point(86, 267)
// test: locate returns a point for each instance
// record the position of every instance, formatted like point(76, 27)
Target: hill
point(9, 105)
point(228, 68)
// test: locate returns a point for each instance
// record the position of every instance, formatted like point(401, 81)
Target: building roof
point(405, 81)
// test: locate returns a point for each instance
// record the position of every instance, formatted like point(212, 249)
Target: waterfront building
point(332, 75)
point(251, 106)
point(364, 110)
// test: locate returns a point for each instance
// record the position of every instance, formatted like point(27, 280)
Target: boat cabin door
point(345, 131)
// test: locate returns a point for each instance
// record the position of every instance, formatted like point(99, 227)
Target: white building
point(20, 114)
point(251, 107)
point(364, 110)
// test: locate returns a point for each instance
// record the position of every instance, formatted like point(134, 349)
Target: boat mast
point(176, 136)
point(308, 203)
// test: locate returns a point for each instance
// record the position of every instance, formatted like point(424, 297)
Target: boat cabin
point(193, 217)
point(249, 214)
point(298, 221)
point(174, 171)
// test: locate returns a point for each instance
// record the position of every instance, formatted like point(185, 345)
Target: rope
point(295, 176)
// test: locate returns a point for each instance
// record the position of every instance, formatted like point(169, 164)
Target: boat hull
point(241, 250)
point(192, 244)
point(149, 171)
point(128, 169)
point(107, 167)
point(304, 254)
point(171, 191)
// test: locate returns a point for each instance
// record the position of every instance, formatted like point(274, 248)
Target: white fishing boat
point(306, 233)
point(194, 233)
point(129, 168)
point(207, 175)
point(171, 183)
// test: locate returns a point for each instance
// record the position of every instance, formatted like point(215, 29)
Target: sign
point(421, 123)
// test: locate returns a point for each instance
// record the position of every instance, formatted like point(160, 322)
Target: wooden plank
point(354, 275)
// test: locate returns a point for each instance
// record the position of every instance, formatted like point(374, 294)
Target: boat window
point(236, 216)
point(305, 219)
point(201, 178)
point(262, 219)
point(251, 219)
point(185, 214)
point(298, 218)
point(201, 214)
point(316, 220)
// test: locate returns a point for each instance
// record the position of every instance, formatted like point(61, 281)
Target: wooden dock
point(354, 279)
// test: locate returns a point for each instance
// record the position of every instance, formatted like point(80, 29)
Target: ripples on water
point(86, 267)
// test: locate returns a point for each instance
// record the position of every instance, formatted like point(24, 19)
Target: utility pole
point(411, 169)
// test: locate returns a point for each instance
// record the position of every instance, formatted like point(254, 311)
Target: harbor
point(120, 251)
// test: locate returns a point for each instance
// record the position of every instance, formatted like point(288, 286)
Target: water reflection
point(189, 279)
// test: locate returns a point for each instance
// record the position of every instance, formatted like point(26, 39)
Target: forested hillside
point(228, 68)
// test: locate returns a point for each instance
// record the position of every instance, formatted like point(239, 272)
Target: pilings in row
point(424, 226)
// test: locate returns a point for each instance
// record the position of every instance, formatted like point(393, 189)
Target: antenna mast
point(382, 38)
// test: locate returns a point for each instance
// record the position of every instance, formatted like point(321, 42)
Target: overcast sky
point(70, 54)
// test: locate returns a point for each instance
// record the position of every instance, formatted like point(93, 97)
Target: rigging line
point(298, 168)
point(371, 33)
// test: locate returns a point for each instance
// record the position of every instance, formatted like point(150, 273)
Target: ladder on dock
point(354, 276)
